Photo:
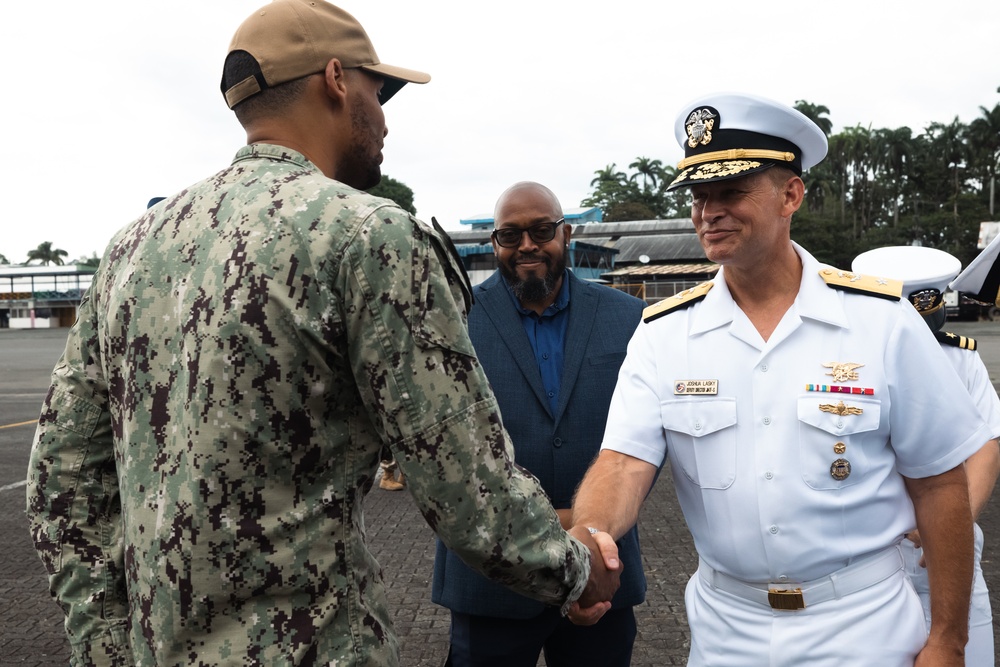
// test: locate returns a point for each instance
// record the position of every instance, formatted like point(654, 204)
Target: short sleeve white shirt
point(753, 463)
point(971, 369)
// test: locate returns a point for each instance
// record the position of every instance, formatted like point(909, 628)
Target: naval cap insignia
point(843, 372)
point(926, 299)
point(699, 127)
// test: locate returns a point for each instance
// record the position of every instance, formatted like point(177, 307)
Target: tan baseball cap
point(290, 39)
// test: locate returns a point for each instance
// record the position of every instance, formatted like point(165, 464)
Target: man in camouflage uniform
point(247, 349)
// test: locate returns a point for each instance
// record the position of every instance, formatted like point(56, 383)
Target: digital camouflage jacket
point(246, 350)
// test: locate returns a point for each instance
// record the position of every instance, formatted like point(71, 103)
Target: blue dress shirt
point(547, 335)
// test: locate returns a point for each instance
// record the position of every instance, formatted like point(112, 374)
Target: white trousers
point(979, 651)
point(880, 626)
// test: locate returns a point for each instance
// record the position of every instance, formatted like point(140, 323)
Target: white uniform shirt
point(752, 463)
point(970, 367)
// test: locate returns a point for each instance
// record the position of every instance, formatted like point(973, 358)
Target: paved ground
point(31, 624)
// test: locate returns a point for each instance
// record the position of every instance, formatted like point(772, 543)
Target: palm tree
point(984, 143)
point(892, 150)
point(815, 113)
point(649, 170)
point(608, 175)
point(46, 254)
point(94, 260)
point(947, 142)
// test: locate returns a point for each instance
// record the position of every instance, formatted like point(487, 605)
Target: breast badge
point(842, 372)
point(840, 409)
point(840, 470)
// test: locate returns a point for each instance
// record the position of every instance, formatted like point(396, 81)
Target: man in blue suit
point(551, 345)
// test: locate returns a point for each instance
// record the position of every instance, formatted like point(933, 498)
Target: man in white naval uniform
point(774, 391)
point(925, 273)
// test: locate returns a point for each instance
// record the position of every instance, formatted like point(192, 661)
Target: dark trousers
point(484, 641)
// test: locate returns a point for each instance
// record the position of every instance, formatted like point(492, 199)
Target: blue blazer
point(557, 448)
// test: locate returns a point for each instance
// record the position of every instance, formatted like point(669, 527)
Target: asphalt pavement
point(31, 631)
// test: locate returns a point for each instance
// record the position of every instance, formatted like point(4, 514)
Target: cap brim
point(981, 278)
point(708, 172)
point(395, 78)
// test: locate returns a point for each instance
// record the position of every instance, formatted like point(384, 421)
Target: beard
point(534, 289)
point(362, 156)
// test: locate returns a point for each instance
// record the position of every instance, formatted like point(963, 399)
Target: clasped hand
point(605, 577)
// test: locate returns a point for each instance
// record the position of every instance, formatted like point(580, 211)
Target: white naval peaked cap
point(918, 267)
point(981, 278)
point(730, 135)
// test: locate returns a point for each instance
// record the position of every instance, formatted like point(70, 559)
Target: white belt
point(789, 597)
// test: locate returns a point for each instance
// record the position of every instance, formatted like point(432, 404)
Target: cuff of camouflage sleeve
point(109, 649)
point(577, 572)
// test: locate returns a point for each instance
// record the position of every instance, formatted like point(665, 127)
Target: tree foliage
point(397, 191)
point(876, 187)
point(93, 260)
point(45, 254)
point(638, 195)
point(3, 259)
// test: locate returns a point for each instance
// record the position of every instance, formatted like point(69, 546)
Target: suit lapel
point(583, 300)
point(500, 310)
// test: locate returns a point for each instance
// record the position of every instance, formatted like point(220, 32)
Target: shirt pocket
point(701, 437)
point(826, 436)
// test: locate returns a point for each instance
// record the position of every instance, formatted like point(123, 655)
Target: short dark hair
point(270, 101)
point(779, 175)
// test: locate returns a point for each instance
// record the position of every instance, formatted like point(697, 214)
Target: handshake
point(605, 576)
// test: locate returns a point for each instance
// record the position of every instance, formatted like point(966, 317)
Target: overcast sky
point(109, 104)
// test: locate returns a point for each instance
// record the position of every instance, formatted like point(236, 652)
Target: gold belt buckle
point(786, 600)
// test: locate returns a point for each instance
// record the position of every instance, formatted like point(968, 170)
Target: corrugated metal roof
point(671, 225)
point(571, 213)
point(664, 270)
point(468, 249)
point(26, 270)
point(662, 241)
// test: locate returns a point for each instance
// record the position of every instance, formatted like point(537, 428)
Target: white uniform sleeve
point(935, 425)
point(981, 389)
point(634, 426)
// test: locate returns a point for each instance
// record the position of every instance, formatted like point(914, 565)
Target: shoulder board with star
point(679, 301)
point(961, 342)
point(884, 288)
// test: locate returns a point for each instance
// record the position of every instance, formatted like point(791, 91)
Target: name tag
point(689, 387)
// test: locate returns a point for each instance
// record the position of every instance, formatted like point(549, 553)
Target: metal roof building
point(35, 297)
point(633, 256)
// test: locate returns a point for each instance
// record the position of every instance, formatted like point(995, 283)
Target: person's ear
point(335, 81)
point(793, 193)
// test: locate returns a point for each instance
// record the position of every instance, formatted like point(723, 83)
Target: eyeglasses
point(510, 237)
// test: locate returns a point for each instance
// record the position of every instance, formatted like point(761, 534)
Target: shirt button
point(697, 426)
point(551, 394)
point(782, 577)
point(769, 474)
point(763, 368)
point(840, 423)
point(557, 442)
point(767, 421)
point(773, 529)
point(545, 355)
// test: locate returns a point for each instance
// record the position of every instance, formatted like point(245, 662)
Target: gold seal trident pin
point(843, 372)
point(840, 409)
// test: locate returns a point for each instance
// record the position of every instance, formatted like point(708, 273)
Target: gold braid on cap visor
point(736, 154)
